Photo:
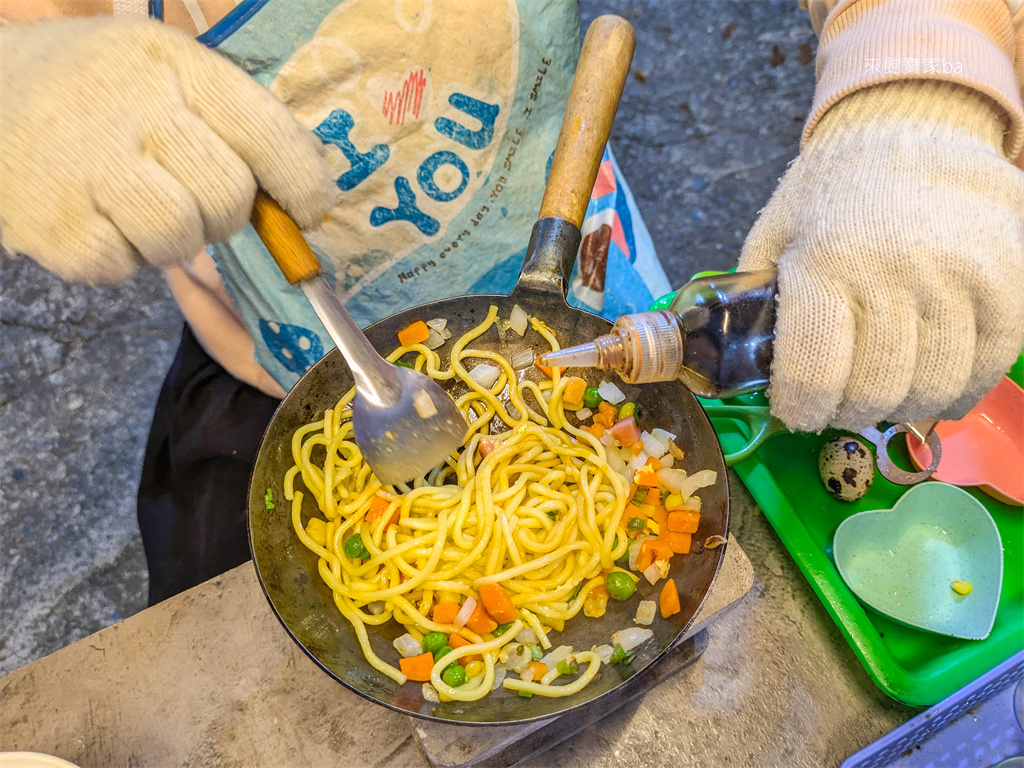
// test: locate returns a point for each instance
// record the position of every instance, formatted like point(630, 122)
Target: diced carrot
point(418, 667)
point(573, 393)
point(651, 550)
point(645, 478)
point(547, 370)
point(683, 521)
point(604, 407)
point(496, 600)
point(632, 510)
point(537, 671)
point(479, 621)
point(603, 419)
point(413, 333)
point(679, 543)
point(636, 448)
point(597, 430)
point(669, 599)
point(379, 506)
point(659, 515)
point(455, 640)
point(486, 446)
point(654, 464)
point(445, 613)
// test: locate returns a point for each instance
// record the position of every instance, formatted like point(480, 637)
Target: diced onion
point(430, 694)
point(583, 414)
point(552, 659)
point(645, 612)
point(697, 480)
point(653, 446)
point(407, 645)
point(522, 658)
point(376, 608)
point(607, 440)
point(652, 573)
point(615, 461)
point(507, 652)
point(445, 333)
point(604, 653)
point(634, 550)
point(672, 479)
point(527, 635)
point(635, 462)
point(465, 612)
point(667, 461)
point(485, 375)
point(518, 320)
point(610, 392)
point(522, 358)
point(499, 678)
point(631, 637)
point(438, 323)
point(662, 436)
point(434, 340)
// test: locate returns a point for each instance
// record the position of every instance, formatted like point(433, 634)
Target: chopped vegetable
point(683, 521)
point(454, 676)
point(584, 413)
point(647, 475)
point(534, 671)
point(536, 652)
point(377, 607)
point(434, 641)
point(465, 612)
point(572, 395)
point(662, 436)
point(672, 480)
point(414, 333)
point(653, 446)
point(619, 585)
point(403, 364)
point(407, 645)
point(379, 506)
point(485, 375)
point(496, 600)
point(417, 668)
point(714, 542)
point(626, 433)
point(634, 551)
point(474, 669)
point(697, 480)
point(268, 499)
point(962, 587)
point(527, 635)
point(592, 398)
point(675, 451)
point(631, 637)
point(355, 548)
point(479, 621)
point(434, 340)
point(568, 666)
point(430, 694)
point(596, 603)
point(316, 529)
point(645, 612)
point(547, 370)
point(445, 613)
point(552, 659)
point(443, 651)
point(522, 358)
point(651, 550)
point(621, 656)
point(626, 410)
point(610, 392)
point(635, 524)
point(576, 591)
point(604, 653)
point(551, 516)
point(501, 629)
point(518, 320)
point(525, 694)
point(669, 599)
point(656, 571)
point(679, 543)
point(597, 430)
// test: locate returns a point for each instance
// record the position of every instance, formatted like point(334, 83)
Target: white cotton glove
point(127, 142)
point(898, 234)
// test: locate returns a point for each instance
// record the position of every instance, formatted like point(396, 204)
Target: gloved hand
point(898, 234)
point(124, 142)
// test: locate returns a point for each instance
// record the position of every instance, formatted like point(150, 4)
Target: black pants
point(193, 496)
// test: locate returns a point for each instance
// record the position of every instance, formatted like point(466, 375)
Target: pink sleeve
point(977, 43)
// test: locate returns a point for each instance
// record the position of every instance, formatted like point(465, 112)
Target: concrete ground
point(709, 120)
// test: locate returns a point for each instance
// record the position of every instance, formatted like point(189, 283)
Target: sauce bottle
point(716, 337)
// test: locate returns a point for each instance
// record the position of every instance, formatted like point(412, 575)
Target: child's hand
point(899, 237)
point(126, 142)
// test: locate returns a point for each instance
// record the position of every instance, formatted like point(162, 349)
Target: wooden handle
point(283, 239)
point(600, 76)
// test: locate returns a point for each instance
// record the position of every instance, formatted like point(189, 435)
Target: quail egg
point(847, 467)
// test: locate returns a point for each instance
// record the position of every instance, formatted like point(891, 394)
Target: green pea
point(434, 641)
point(403, 364)
point(536, 652)
point(592, 398)
point(501, 629)
point(443, 651)
point(454, 676)
point(627, 409)
point(619, 585)
point(355, 548)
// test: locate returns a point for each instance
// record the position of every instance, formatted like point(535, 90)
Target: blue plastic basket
point(976, 727)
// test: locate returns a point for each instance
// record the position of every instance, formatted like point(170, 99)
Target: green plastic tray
point(915, 667)
point(912, 666)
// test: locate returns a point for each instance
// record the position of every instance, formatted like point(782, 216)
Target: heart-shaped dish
point(903, 561)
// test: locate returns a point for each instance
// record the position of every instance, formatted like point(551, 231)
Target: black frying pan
point(288, 571)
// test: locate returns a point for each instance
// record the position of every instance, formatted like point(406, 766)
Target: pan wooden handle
point(600, 76)
point(283, 239)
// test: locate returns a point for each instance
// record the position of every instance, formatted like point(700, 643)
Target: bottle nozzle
point(587, 355)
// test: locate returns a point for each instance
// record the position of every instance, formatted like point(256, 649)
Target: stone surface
point(707, 124)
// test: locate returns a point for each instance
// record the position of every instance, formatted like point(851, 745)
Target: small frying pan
point(288, 571)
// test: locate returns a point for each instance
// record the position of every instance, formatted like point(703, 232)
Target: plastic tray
point(916, 667)
point(976, 726)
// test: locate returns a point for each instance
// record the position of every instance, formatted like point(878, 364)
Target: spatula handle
point(600, 77)
point(283, 239)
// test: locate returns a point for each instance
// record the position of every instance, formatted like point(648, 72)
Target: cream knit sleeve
point(977, 43)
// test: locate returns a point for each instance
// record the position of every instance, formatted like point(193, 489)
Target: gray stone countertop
point(224, 685)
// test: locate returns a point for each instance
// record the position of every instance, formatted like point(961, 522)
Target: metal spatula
point(404, 423)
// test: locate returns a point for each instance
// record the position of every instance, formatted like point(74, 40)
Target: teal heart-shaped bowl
point(903, 561)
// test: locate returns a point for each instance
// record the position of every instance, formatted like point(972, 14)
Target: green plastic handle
point(757, 418)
